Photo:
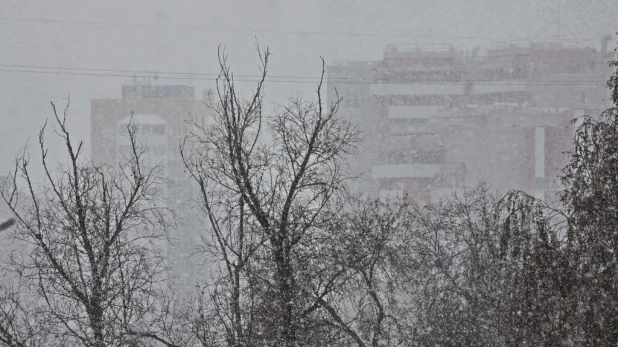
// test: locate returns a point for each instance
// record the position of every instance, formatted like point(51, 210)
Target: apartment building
point(437, 119)
point(162, 115)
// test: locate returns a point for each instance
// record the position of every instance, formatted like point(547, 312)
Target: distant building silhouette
point(437, 119)
point(162, 115)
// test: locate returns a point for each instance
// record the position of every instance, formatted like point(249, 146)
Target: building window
point(124, 150)
point(105, 132)
point(158, 129)
point(158, 150)
point(582, 98)
point(398, 100)
point(452, 182)
point(177, 131)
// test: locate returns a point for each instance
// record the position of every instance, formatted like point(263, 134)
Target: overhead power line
point(278, 79)
point(294, 32)
point(145, 72)
point(149, 75)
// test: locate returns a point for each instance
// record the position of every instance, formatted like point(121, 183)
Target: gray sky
point(182, 36)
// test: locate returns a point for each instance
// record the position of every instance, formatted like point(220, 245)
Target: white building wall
point(539, 160)
point(446, 89)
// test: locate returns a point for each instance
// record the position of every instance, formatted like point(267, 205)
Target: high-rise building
point(436, 120)
point(162, 116)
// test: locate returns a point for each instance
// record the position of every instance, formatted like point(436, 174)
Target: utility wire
point(147, 72)
point(292, 79)
point(190, 75)
point(299, 32)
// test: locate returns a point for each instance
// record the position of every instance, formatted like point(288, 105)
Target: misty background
point(247, 222)
point(52, 49)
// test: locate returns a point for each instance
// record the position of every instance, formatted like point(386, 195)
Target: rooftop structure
point(148, 91)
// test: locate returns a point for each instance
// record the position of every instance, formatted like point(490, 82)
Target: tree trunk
point(286, 335)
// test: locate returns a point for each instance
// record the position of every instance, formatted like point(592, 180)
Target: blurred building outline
point(438, 118)
point(162, 115)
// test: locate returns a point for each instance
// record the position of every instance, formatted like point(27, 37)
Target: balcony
point(448, 88)
point(416, 89)
point(405, 170)
point(414, 112)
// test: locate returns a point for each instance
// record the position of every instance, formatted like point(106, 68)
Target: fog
point(183, 36)
point(426, 201)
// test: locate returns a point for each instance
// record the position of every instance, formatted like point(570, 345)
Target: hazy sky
point(182, 36)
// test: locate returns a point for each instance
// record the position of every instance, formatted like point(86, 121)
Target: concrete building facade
point(162, 115)
point(437, 120)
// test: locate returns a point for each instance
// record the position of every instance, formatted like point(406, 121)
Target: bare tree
point(20, 324)
point(92, 258)
point(370, 243)
point(264, 201)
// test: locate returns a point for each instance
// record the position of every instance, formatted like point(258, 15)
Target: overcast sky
point(182, 36)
